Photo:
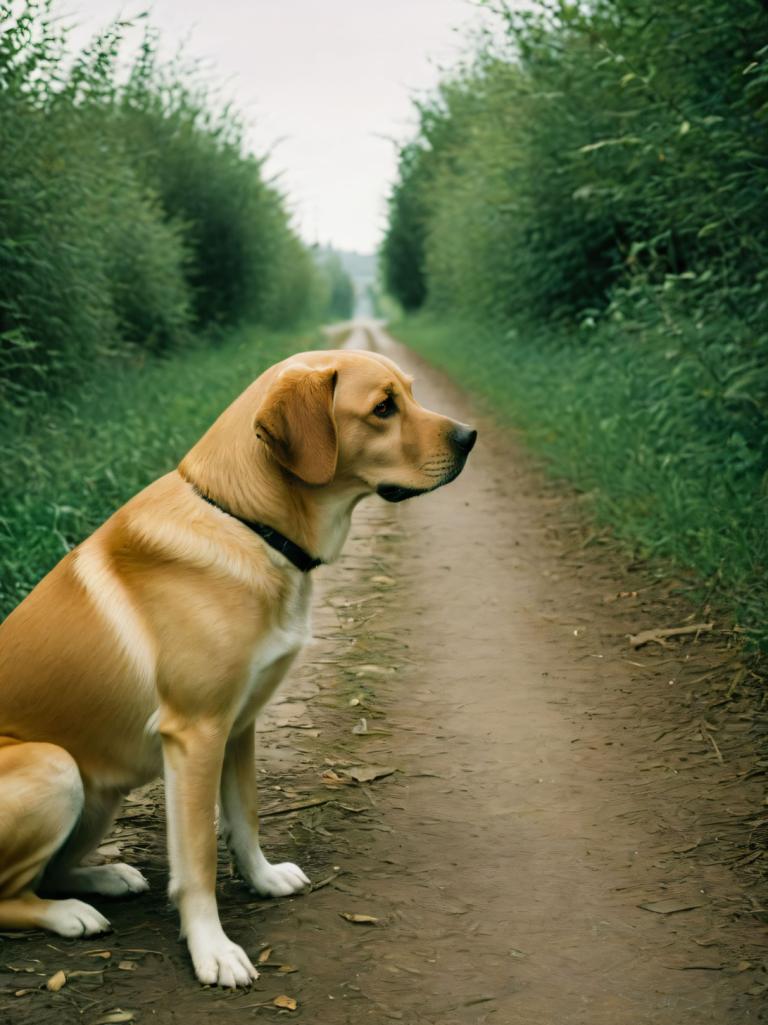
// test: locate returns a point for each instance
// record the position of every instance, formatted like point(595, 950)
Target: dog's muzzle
point(463, 439)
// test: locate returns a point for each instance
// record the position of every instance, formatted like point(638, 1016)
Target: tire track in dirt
point(530, 814)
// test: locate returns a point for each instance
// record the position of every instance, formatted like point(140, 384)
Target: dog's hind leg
point(240, 823)
point(41, 800)
point(65, 874)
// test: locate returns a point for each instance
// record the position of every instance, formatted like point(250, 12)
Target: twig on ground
point(713, 742)
point(286, 809)
point(660, 636)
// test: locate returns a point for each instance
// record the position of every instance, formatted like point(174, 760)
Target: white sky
point(325, 84)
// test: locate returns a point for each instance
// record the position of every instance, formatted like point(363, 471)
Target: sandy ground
point(546, 826)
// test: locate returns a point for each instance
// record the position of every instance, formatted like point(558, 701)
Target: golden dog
point(152, 646)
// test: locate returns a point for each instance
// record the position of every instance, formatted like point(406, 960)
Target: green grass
point(636, 424)
point(68, 466)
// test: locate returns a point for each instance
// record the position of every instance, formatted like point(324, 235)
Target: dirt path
point(548, 782)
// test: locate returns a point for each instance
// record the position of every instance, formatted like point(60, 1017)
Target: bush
point(591, 191)
point(130, 212)
point(336, 291)
point(599, 143)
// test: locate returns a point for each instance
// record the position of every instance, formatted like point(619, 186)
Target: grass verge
point(70, 464)
point(631, 424)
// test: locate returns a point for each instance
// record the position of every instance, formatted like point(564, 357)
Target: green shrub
point(598, 143)
point(590, 193)
point(336, 291)
point(403, 253)
point(130, 211)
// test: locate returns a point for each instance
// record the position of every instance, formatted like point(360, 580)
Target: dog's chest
point(274, 652)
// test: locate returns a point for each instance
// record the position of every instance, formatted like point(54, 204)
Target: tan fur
point(152, 646)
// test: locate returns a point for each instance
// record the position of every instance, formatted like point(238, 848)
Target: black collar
point(294, 553)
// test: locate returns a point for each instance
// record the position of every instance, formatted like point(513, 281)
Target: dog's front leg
point(193, 754)
point(240, 823)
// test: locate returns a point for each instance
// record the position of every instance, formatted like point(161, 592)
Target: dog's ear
point(296, 421)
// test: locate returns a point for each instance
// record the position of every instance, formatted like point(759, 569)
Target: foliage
point(599, 144)
point(78, 235)
point(245, 261)
point(131, 213)
point(591, 191)
point(337, 290)
point(403, 250)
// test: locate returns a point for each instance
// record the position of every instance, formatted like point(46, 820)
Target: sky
point(326, 88)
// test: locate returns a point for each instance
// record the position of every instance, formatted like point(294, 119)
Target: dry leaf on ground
point(265, 955)
point(56, 981)
point(115, 1017)
point(368, 773)
point(359, 919)
point(287, 1002)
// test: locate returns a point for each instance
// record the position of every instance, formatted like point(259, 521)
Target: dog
point(152, 646)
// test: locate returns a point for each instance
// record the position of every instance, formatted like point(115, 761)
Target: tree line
point(586, 199)
point(599, 159)
point(132, 215)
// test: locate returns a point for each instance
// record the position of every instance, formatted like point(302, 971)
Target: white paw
point(116, 880)
point(74, 918)
point(279, 880)
point(220, 962)
point(106, 880)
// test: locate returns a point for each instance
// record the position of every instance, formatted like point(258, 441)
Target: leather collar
point(300, 558)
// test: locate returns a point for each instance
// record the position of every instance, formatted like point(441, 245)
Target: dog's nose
point(463, 438)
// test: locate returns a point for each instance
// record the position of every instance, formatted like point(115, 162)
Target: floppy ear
point(296, 422)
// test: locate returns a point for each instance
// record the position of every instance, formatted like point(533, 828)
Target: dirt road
point(486, 769)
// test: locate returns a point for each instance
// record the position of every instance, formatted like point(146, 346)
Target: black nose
point(463, 438)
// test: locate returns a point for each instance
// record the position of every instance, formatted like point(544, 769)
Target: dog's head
point(350, 417)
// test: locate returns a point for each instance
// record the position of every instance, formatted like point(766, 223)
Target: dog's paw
point(105, 880)
point(279, 880)
point(220, 962)
point(116, 880)
point(74, 918)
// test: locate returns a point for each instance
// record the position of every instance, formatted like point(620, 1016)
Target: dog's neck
point(332, 513)
point(241, 476)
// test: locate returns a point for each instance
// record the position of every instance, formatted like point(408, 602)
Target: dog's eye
point(385, 408)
